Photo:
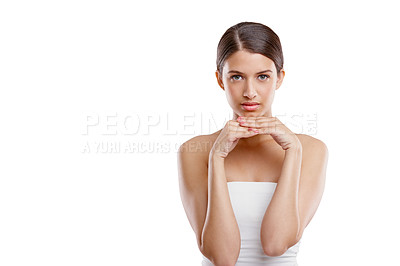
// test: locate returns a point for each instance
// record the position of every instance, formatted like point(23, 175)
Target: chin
point(250, 113)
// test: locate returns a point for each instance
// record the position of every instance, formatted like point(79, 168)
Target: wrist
point(216, 156)
point(295, 149)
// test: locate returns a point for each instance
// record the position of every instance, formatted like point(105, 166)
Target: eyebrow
point(235, 71)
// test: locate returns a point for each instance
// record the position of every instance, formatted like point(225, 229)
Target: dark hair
point(252, 37)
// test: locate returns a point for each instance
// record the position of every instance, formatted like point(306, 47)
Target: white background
point(75, 74)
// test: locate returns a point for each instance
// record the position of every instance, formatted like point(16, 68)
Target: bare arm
point(281, 222)
point(297, 197)
point(206, 201)
point(221, 236)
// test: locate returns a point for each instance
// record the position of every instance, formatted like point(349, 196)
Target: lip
point(250, 103)
point(251, 107)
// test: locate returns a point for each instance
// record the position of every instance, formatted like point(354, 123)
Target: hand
point(229, 137)
point(273, 126)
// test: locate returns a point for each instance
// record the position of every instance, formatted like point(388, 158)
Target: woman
point(250, 189)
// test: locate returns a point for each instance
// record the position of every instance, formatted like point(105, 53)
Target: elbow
point(220, 259)
point(274, 250)
point(223, 262)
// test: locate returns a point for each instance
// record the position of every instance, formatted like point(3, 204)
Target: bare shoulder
point(200, 145)
point(313, 148)
point(193, 157)
point(192, 163)
point(309, 142)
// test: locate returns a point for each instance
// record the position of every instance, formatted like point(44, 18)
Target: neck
point(257, 139)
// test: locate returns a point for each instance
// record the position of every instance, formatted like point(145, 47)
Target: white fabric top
point(249, 202)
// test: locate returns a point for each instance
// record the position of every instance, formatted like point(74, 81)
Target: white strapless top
point(249, 202)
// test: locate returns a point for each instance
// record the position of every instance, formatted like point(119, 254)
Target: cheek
point(234, 93)
point(269, 87)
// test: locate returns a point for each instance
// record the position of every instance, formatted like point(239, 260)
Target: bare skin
point(266, 160)
point(297, 164)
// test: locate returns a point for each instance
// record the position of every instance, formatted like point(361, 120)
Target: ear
point(281, 75)
point(219, 79)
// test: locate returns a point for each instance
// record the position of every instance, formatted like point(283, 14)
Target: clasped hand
point(273, 126)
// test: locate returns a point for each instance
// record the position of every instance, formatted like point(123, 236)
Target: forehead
point(248, 62)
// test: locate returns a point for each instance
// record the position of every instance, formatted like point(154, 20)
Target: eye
point(234, 77)
point(264, 77)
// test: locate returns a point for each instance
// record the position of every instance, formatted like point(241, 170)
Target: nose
point(250, 90)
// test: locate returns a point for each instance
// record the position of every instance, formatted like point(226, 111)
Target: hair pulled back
point(251, 37)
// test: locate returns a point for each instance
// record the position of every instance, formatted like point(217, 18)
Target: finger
point(256, 119)
point(249, 133)
point(244, 131)
point(271, 129)
point(240, 129)
point(257, 124)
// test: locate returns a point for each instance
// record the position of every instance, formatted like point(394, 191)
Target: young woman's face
point(250, 77)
